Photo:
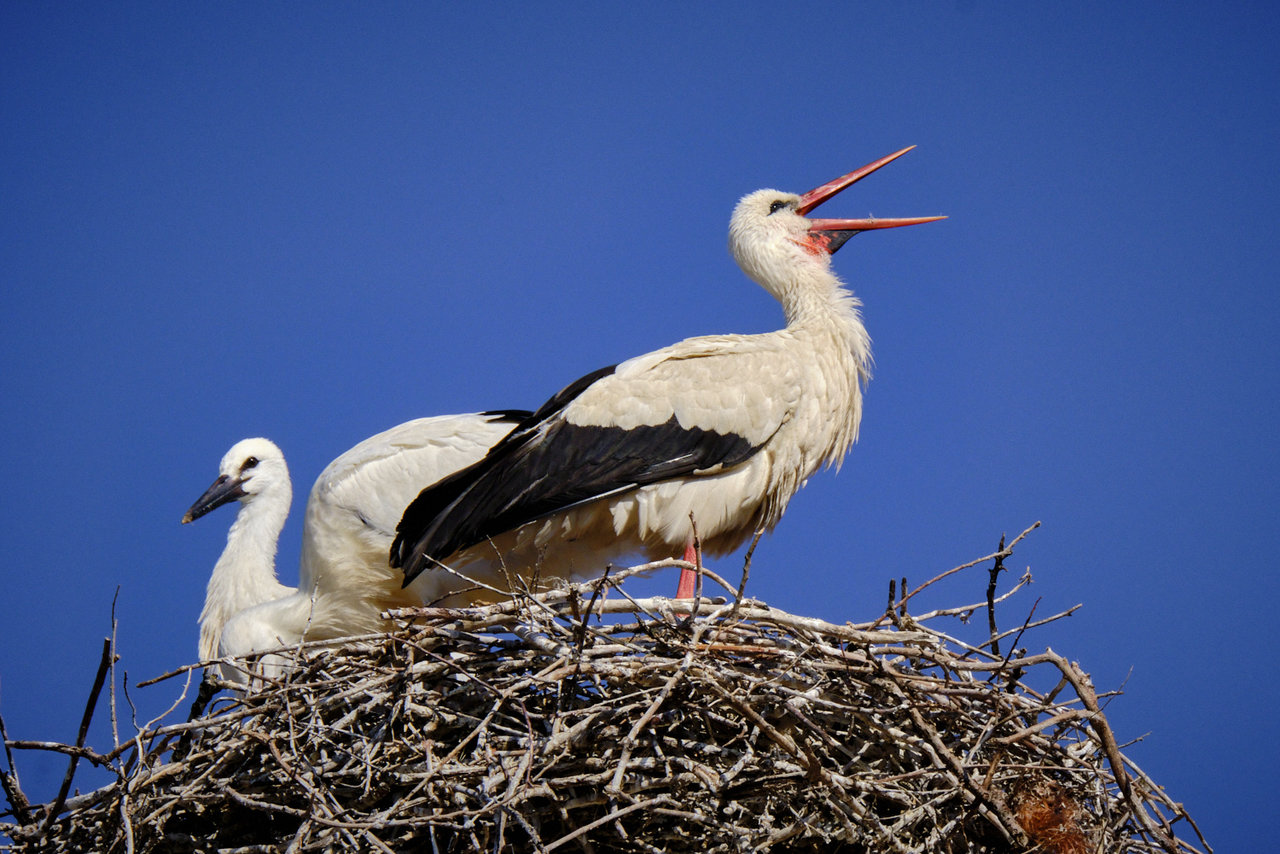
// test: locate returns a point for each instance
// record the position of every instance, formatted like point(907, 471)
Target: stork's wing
point(696, 408)
point(378, 478)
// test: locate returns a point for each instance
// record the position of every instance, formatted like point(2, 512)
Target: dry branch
point(582, 720)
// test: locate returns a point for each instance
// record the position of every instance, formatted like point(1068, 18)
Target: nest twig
point(584, 720)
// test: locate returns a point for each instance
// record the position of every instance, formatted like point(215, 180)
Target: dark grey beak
point(223, 490)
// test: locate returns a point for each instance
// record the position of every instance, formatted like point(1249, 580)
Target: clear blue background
point(314, 221)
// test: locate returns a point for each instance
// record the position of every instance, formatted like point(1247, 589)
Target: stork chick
point(351, 513)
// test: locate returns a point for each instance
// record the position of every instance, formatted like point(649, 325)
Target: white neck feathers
point(245, 574)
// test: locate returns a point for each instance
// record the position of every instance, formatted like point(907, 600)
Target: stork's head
point(772, 239)
point(252, 467)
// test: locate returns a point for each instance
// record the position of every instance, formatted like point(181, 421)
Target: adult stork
point(349, 525)
point(720, 431)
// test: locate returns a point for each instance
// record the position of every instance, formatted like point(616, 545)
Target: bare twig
point(746, 572)
point(18, 802)
point(996, 569)
point(85, 719)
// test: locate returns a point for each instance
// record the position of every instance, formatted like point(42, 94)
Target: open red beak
point(831, 234)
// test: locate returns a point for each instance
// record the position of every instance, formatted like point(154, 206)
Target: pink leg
point(688, 578)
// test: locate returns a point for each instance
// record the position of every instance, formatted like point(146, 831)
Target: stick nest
point(582, 720)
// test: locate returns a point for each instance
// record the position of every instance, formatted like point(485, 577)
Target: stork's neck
point(245, 574)
point(824, 315)
point(815, 301)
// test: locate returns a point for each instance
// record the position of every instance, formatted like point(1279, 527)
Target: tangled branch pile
point(582, 720)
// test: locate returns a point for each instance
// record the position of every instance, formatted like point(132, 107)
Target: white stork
point(723, 429)
point(348, 527)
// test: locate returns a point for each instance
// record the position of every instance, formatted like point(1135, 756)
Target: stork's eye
point(248, 463)
point(777, 206)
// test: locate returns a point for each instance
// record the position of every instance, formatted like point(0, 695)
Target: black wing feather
point(433, 500)
point(546, 465)
point(513, 416)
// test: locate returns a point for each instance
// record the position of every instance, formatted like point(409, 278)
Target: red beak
point(834, 232)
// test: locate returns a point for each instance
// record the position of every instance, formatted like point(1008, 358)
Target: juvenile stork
point(350, 520)
point(723, 429)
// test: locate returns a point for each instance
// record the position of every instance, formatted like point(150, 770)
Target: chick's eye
point(777, 206)
point(249, 463)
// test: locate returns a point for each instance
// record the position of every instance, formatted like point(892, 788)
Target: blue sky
point(312, 222)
